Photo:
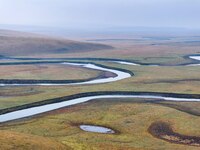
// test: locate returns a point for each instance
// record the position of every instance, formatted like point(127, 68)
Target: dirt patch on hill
point(164, 131)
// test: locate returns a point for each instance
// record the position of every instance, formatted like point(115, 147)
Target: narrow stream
point(49, 107)
point(195, 58)
point(119, 76)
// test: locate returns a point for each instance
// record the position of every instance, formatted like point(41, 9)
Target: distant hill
point(13, 43)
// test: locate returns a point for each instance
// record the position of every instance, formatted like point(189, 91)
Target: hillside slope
point(14, 43)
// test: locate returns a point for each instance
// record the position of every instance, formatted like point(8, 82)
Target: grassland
point(169, 79)
point(58, 126)
point(132, 121)
point(26, 44)
point(131, 117)
point(168, 52)
point(151, 49)
point(16, 140)
point(46, 71)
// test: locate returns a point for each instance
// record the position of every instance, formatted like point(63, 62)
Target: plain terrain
point(131, 117)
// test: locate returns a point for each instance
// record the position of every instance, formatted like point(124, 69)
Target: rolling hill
point(13, 43)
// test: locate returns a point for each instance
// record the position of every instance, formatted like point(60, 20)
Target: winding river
point(120, 75)
point(49, 107)
point(195, 58)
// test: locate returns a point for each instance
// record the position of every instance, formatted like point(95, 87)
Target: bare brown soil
point(164, 131)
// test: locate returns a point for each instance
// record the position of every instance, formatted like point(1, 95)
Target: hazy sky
point(101, 13)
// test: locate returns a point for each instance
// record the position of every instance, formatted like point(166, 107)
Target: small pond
point(96, 129)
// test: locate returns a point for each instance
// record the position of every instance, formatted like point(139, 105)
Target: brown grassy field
point(46, 71)
point(137, 48)
point(26, 44)
point(147, 51)
point(132, 121)
point(169, 79)
point(16, 140)
point(131, 117)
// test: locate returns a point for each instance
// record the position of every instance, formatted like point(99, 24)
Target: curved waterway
point(119, 76)
point(194, 58)
point(49, 107)
point(130, 63)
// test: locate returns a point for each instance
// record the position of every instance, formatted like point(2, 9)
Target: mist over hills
point(21, 43)
point(105, 32)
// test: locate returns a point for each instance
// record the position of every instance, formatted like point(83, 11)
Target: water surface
point(97, 129)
